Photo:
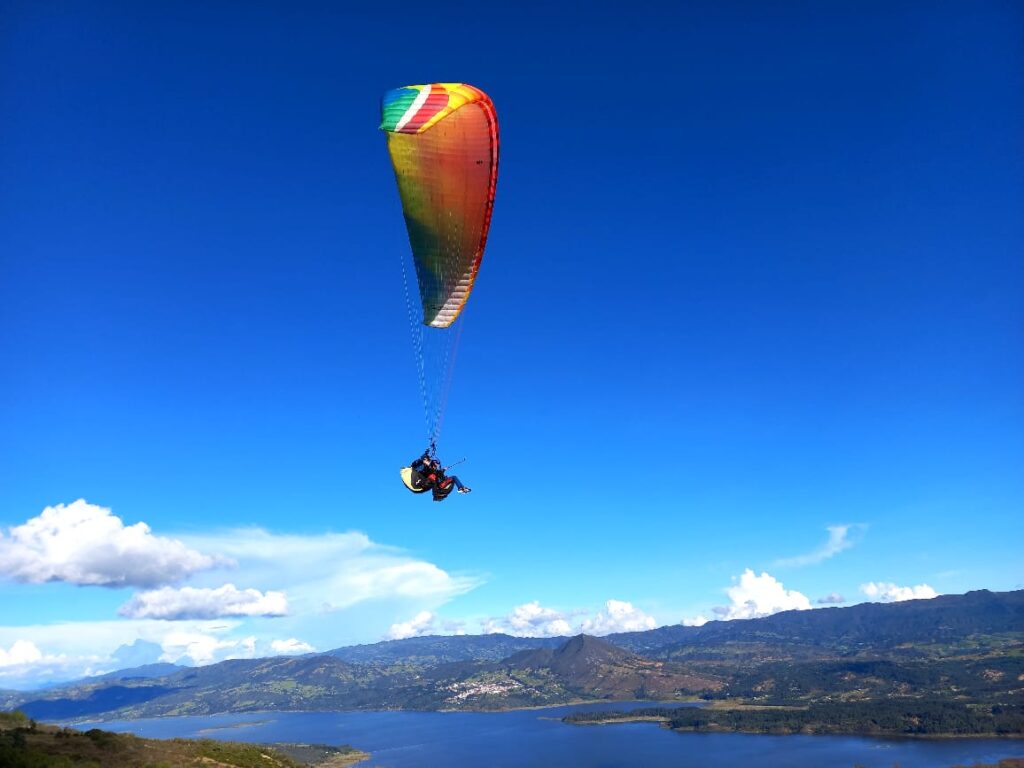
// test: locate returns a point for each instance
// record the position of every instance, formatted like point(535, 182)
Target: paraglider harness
point(427, 474)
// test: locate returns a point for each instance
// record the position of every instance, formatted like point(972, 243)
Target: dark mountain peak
point(590, 647)
point(584, 653)
point(571, 657)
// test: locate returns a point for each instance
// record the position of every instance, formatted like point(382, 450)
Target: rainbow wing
point(443, 140)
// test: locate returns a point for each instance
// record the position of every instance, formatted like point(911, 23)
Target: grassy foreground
point(27, 744)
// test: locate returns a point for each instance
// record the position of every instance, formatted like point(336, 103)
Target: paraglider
point(426, 474)
point(443, 142)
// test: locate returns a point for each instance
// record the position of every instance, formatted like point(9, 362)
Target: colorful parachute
point(443, 140)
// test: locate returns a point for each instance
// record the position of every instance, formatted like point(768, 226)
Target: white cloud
point(755, 596)
point(887, 592)
point(334, 582)
point(529, 620)
point(618, 616)
point(136, 654)
point(838, 540)
point(21, 652)
point(199, 603)
point(832, 598)
point(453, 627)
point(423, 623)
point(333, 571)
point(199, 648)
point(375, 579)
point(291, 646)
point(104, 638)
point(24, 662)
point(72, 650)
point(85, 544)
point(695, 621)
point(534, 620)
point(336, 589)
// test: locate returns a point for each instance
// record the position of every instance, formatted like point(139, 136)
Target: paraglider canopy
point(443, 142)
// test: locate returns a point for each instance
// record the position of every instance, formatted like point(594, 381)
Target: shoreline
point(257, 712)
point(574, 703)
point(665, 723)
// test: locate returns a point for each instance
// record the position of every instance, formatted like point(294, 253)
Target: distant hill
point(968, 648)
point(943, 619)
point(594, 668)
point(160, 669)
point(581, 656)
point(442, 649)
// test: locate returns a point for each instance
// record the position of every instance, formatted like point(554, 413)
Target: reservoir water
point(537, 739)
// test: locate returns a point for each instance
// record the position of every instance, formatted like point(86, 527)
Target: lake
point(537, 739)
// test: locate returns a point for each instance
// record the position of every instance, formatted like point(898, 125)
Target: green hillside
point(27, 744)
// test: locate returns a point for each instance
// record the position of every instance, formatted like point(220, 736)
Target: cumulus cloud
point(423, 623)
point(199, 648)
point(86, 544)
point(839, 538)
point(832, 598)
point(534, 620)
point(426, 623)
point(291, 646)
point(21, 652)
point(76, 649)
point(756, 596)
point(618, 616)
point(530, 620)
point(136, 654)
point(198, 603)
point(24, 663)
point(695, 621)
point(887, 592)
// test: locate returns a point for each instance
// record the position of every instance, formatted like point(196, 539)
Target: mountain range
point(967, 648)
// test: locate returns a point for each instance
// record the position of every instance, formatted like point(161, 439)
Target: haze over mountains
point(957, 647)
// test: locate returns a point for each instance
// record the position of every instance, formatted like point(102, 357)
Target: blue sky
point(752, 300)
